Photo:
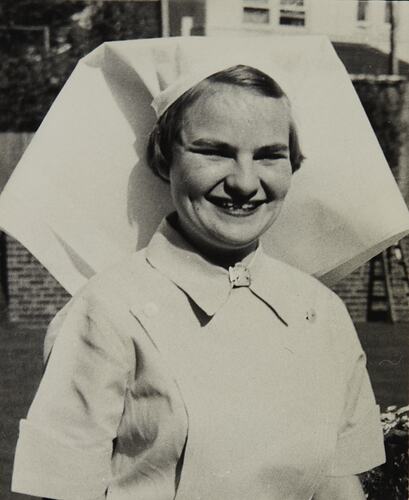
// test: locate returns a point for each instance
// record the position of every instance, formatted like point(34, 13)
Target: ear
point(162, 168)
point(155, 158)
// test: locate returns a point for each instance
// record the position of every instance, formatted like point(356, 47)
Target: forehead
point(235, 115)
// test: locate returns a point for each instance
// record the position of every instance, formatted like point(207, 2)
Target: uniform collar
point(209, 285)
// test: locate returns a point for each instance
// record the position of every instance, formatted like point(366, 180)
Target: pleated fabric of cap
point(82, 196)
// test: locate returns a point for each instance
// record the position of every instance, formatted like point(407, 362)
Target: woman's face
point(231, 171)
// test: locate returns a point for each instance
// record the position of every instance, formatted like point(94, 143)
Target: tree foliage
point(31, 73)
point(390, 480)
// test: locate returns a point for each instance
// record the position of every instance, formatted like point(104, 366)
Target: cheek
point(185, 186)
point(278, 183)
point(194, 177)
point(286, 183)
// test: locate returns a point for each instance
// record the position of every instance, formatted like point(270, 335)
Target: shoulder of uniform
point(302, 284)
point(103, 299)
point(116, 282)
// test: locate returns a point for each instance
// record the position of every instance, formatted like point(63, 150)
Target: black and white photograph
point(204, 249)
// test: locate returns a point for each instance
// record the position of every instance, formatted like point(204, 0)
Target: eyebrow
point(215, 144)
point(272, 149)
point(212, 143)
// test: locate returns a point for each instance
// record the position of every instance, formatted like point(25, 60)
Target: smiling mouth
point(236, 207)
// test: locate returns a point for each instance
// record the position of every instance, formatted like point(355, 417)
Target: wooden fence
point(12, 146)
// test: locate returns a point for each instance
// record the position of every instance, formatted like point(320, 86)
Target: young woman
point(201, 368)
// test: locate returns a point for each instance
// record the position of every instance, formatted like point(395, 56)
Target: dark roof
point(360, 58)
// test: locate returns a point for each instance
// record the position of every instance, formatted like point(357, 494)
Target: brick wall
point(34, 295)
point(353, 290)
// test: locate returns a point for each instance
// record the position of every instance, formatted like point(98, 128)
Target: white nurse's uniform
point(166, 381)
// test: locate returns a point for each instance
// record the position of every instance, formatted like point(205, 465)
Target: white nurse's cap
point(82, 196)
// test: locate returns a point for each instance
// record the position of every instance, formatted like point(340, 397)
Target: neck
point(223, 257)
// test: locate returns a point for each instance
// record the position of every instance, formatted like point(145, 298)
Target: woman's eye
point(271, 157)
point(215, 152)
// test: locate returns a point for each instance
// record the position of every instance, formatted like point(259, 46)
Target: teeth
point(235, 206)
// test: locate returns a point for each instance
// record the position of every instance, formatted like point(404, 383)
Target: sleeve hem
point(47, 467)
point(360, 450)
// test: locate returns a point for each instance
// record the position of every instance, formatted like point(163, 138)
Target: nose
point(243, 181)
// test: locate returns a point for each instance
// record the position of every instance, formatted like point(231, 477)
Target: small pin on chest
point(311, 315)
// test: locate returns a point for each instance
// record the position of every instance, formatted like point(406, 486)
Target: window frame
point(292, 8)
point(274, 9)
point(259, 5)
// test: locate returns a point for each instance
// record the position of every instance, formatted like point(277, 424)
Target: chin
point(240, 238)
point(234, 242)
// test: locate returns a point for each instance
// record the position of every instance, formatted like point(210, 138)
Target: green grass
point(387, 348)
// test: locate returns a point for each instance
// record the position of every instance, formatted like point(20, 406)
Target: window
point(273, 13)
point(256, 11)
point(292, 12)
point(362, 10)
point(255, 15)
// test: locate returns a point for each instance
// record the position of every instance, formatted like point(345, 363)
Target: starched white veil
point(82, 197)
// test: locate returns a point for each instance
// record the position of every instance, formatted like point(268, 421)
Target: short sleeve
point(65, 443)
point(360, 444)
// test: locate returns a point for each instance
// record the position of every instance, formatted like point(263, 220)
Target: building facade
point(353, 21)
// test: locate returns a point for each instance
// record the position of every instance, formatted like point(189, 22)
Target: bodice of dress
point(258, 421)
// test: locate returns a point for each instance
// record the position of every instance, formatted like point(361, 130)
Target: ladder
point(388, 271)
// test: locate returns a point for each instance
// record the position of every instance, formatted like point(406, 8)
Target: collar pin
point(239, 275)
